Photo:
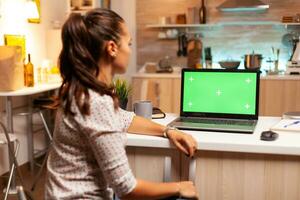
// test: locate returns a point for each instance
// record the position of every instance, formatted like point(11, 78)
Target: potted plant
point(122, 89)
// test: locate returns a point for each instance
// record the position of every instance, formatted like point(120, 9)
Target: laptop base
point(233, 126)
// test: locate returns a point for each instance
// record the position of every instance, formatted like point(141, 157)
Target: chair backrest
point(20, 190)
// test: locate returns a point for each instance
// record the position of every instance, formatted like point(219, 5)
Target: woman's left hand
point(184, 142)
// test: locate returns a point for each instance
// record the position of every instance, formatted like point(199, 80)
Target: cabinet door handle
point(192, 170)
point(157, 93)
point(167, 169)
point(144, 90)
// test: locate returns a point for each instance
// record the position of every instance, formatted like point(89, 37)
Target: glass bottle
point(202, 13)
point(29, 74)
point(39, 75)
point(208, 58)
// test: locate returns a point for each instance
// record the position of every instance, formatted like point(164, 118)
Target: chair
point(6, 138)
point(39, 105)
point(42, 104)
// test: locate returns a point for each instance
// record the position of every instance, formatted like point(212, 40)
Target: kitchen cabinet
point(161, 91)
point(236, 176)
point(278, 94)
point(149, 163)
point(228, 166)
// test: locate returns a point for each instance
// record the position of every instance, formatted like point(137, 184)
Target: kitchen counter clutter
point(177, 75)
point(287, 143)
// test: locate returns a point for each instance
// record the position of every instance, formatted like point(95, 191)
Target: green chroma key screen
point(220, 92)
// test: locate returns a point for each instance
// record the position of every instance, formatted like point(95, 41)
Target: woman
point(88, 159)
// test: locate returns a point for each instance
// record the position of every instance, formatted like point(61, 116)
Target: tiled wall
point(226, 42)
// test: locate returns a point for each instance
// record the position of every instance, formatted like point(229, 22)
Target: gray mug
point(143, 109)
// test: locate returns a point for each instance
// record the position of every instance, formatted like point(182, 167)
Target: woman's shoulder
point(98, 99)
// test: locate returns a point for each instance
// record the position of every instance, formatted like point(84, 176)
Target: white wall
point(13, 21)
point(128, 12)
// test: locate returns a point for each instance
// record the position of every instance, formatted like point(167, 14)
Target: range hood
point(243, 6)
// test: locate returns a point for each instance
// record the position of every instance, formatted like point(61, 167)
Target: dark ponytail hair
point(83, 39)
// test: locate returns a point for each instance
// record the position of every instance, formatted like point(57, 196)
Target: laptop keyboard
point(218, 121)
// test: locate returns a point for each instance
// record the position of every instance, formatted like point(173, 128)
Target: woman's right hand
point(187, 189)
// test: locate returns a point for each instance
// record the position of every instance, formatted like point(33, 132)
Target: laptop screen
point(220, 92)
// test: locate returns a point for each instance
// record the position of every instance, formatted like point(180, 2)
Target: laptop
point(218, 100)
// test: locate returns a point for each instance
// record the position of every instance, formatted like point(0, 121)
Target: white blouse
point(88, 158)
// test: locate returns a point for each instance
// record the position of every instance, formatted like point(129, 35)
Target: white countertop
point(286, 143)
point(178, 75)
point(31, 90)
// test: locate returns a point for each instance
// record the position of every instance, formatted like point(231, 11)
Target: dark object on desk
point(291, 115)
point(268, 136)
point(158, 113)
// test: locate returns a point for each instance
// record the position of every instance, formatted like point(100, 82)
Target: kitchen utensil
point(164, 20)
point(165, 65)
point(208, 57)
point(290, 39)
point(171, 33)
point(287, 19)
point(297, 18)
point(230, 64)
point(150, 67)
point(184, 44)
point(162, 35)
point(181, 19)
point(253, 61)
point(179, 51)
point(194, 50)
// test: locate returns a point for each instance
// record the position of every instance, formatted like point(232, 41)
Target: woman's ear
point(112, 48)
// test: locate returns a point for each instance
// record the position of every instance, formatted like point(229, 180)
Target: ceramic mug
point(143, 109)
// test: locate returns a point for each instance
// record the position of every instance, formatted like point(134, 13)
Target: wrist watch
point(165, 133)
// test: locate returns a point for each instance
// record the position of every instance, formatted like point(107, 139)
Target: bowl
point(230, 64)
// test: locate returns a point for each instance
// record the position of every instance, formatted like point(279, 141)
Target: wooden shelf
point(223, 24)
point(82, 8)
point(180, 26)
